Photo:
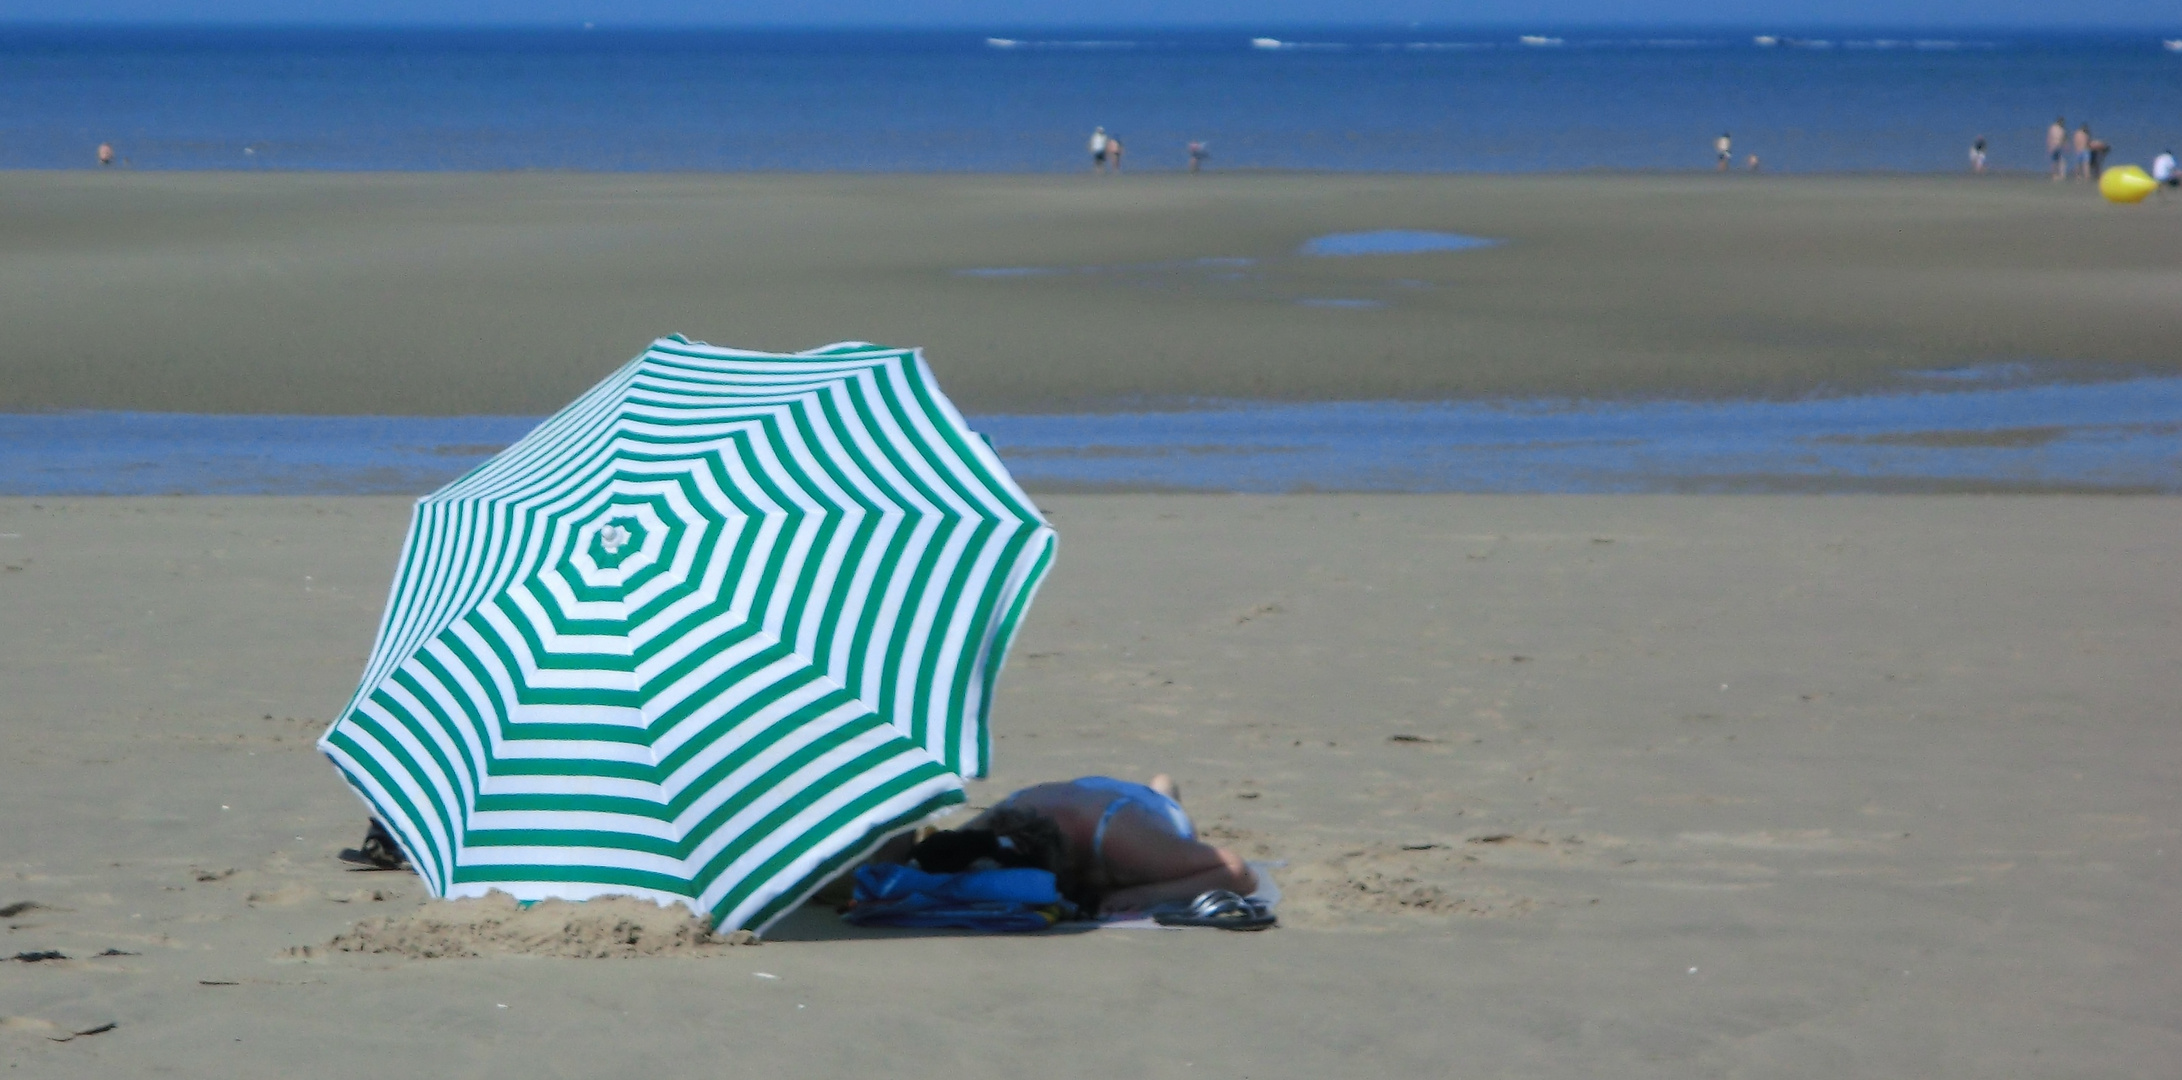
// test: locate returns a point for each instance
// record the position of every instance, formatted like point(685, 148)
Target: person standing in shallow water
point(1196, 156)
point(1977, 155)
point(2080, 152)
point(1099, 144)
point(105, 154)
point(1113, 153)
point(1723, 148)
point(2056, 147)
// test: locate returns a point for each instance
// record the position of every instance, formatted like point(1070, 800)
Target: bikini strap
point(1098, 835)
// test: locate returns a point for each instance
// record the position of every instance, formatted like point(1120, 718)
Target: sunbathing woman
point(1113, 845)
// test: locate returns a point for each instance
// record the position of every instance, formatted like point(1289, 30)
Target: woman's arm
point(1232, 874)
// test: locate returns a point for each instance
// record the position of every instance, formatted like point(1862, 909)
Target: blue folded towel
point(1002, 900)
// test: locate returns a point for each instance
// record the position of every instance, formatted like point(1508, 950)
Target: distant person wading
point(1099, 145)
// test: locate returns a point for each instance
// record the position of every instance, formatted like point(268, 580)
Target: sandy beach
point(1566, 786)
point(510, 293)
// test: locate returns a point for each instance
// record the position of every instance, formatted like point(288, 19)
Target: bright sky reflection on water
point(1391, 242)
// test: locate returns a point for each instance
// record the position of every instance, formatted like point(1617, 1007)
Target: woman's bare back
point(1139, 860)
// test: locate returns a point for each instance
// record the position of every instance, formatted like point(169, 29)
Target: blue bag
point(1011, 900)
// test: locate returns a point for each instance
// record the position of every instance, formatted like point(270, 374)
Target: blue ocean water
point(1407, 100)
point(2000, 427)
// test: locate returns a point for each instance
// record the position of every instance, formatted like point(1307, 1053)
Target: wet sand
point(1567, 786)
point(508, 294)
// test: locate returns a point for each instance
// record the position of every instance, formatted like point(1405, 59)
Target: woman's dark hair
point(1009, 837)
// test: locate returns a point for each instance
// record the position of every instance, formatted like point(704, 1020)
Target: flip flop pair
point(1223, 910)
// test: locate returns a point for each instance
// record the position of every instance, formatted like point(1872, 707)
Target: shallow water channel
point(1976, 429)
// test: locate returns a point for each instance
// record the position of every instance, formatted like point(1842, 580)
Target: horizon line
point(987, 27)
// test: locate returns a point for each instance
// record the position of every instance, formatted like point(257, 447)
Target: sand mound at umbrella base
point(603, 929)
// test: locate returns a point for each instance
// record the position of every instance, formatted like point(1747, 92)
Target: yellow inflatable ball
point(2126, 184)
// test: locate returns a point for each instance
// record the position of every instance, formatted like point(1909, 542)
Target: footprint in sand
point(285, 896)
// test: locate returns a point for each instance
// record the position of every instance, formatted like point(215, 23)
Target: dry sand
point(450, 294)
point(1572, 786)
point(1566, 786)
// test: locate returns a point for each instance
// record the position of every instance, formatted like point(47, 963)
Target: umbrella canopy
point(708, 635)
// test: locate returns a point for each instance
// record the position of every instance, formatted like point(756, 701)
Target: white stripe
point(451, 701)
point(505, 529)
point(456, 788)
point(839, 842)
point(823, 848)
point(436, 850)
point(738, 781)
point(791, 832)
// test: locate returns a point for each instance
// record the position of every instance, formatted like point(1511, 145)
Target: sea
point(1408, 99)
point(1415, 99)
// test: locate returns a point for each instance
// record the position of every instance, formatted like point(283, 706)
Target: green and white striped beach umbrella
point(707, 636)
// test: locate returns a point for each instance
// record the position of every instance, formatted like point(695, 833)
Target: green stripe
point(832, 824)
point(417, 731)
point(996, 656)
point(468, 549)
point(943, 617)
point(757, 744)
point(392, 753)
point(763, 829)
point(402, 817)
point(588, 875)
point(972, 656)
point(509, 731)
point(856, 852)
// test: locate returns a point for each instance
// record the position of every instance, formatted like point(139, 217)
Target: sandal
point(379, 851)
point(1223, 909)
